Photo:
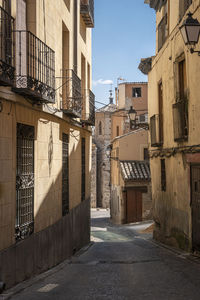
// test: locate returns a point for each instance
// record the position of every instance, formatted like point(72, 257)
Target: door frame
point(191, 191)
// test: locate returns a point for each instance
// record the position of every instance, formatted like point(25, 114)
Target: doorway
point(195, 206)
point(133, 206)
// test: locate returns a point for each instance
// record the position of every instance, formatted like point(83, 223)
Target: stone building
point(102, 138)
point(94, 177)
point(46, 109)
point(174, 111)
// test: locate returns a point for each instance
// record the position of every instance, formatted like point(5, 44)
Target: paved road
point(122, 263)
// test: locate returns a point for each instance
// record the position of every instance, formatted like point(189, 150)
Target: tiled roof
point(135, 170)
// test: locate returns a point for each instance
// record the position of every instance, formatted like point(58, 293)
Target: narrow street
point(122, 263)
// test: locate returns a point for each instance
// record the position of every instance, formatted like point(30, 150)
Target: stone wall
point(94, 177)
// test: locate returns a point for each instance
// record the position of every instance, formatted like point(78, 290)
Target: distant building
point(129, 94)
point(102, 139)
point(130, 178)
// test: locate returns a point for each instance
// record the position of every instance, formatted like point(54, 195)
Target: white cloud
point(101, 81)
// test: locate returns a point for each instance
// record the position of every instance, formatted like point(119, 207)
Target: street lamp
point(190, 31)
point(132, 113)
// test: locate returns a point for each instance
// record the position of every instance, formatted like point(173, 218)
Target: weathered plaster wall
point(172, 210)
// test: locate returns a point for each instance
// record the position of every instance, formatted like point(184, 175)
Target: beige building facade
point(130, 94)
point(130, 178)
point(174, 75)
point(46, 113)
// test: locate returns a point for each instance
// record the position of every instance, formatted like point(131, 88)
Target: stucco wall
point(172, 210)
point(48, 167)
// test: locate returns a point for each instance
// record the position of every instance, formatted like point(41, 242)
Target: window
point(65, 174)
point(163, 175)
point(160, 106)
point(137, 92)
point(117, 130)
point(24, 182)
point(180, 108)
point(182, 78)
point(156, 121)
point(83, 169)
point(146, 154)
point(100, 128)
point(67, 3)
point(162, 31)
point(183, 6)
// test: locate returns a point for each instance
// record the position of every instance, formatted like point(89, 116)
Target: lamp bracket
point(194, 51)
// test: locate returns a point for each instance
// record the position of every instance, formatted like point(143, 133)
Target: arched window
point(100, 128)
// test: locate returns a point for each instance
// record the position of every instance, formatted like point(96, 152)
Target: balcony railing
point(72, 98)
point(155, 130)
point(7, 68)
point(87, 12)
point(162, 32)
point(35, 68)
point(88, 115)
point(180, 120)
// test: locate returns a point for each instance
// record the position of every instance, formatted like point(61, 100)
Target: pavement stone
point(121, 263)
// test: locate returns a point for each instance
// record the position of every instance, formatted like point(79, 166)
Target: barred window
point(163, 175)
point(65, 174)
point(83, 169)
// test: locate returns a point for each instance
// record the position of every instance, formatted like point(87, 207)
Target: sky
point(125, 32)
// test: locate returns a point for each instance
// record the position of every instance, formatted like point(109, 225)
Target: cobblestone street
point(122, 262)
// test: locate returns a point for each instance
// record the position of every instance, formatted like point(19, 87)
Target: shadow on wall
point(56, 238)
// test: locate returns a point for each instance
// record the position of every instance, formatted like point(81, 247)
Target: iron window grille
point(83, 169)
point(180, 120)
point(24, 182)
point(7, 69)
point(163, 175)
point(35, 67)
point(162, 32)
point(87, 12)
point(65, 174)
point(155, 131)
point(72, 97)
point(89, 108)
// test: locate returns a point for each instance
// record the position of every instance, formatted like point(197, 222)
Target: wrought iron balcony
point(88, 115)
point(87, 12)
point(180, 120)
point(156, 131)
point(72, 98)
point(35, 68)
point(7, 68)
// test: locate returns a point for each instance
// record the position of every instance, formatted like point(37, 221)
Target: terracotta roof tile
point(135, 170)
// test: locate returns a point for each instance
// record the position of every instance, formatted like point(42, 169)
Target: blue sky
point(124, 33)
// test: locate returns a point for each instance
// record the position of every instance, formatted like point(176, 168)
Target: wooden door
point(133, 206)
point(195, 183)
